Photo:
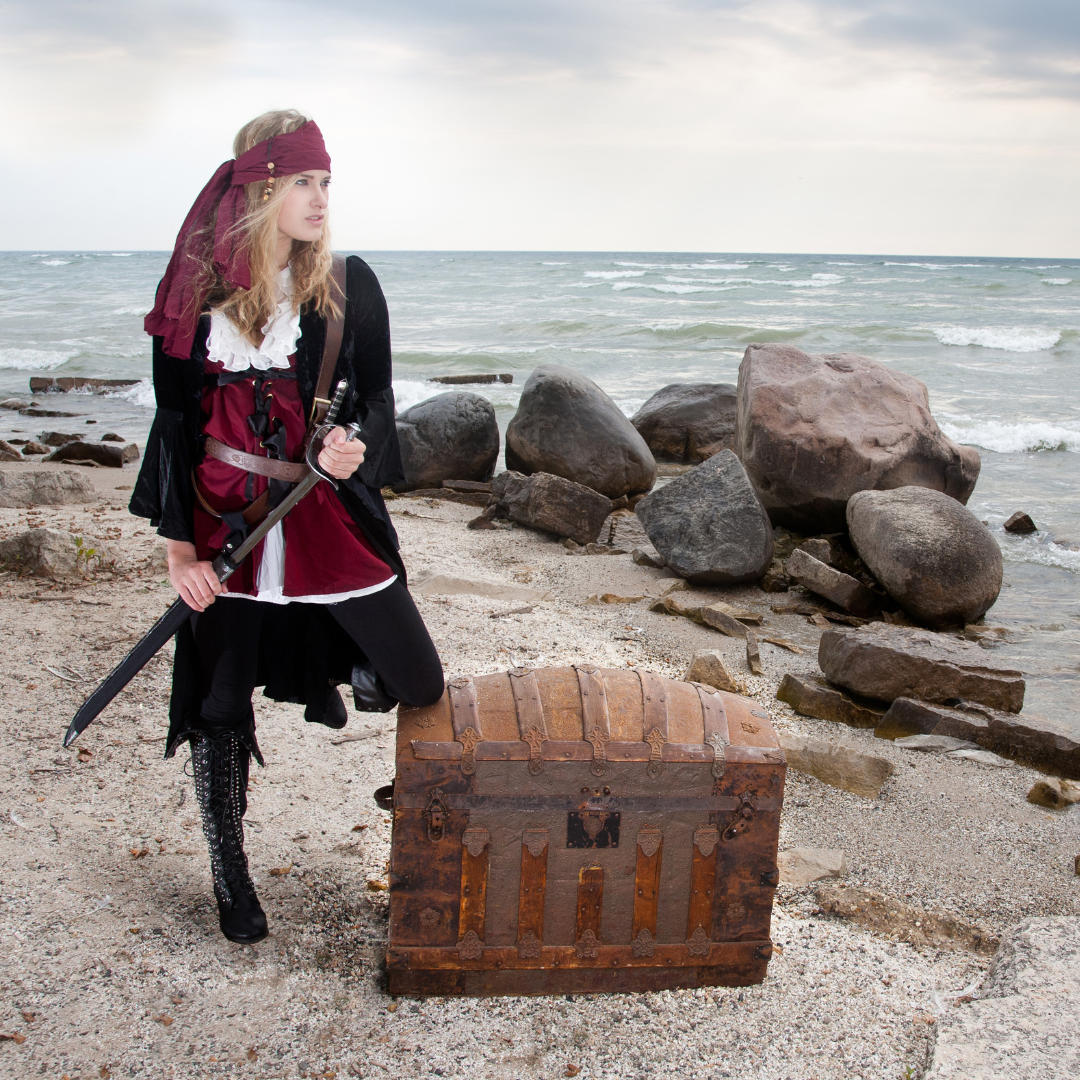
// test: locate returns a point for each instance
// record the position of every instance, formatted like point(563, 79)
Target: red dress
point(318, 554)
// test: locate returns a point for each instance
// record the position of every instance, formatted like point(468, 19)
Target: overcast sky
point(848, 126)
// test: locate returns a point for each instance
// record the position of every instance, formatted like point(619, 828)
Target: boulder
point(49, 554)
point(14, 403)
point(452, 436)
point(708, 667)
point(58, 438)
point(32, 487)
point(33, 447)
point(837, 765)
point(709, 525)
point(1021, 1023)
point(1032, 740)
point(1020, 523)
point(553, 504)
point(811, 695)
point(566, 425)
point(9, 452)
point(801, 866)
point(887, 662)
point(842, 589)
point(688, 421)
point(1053, 793)
point(108, 454)
point(813, 430)
point(936, 559)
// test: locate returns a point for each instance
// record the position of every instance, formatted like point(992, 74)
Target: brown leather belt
point(253, 512)
point(291, 471)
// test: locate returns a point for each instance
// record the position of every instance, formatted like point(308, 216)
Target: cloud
point(95, 72)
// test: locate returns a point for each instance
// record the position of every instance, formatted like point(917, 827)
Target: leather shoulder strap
point(335, 329)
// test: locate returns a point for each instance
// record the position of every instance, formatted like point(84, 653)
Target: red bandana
point(177, 307)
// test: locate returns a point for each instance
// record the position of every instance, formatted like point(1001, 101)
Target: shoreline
point(109, 918)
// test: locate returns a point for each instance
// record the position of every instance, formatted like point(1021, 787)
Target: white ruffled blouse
point(230, 348)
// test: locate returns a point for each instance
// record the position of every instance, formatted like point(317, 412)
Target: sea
point(996, 341)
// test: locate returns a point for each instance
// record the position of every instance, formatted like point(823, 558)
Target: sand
point(112, 963)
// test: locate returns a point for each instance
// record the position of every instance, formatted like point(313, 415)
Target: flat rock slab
point(811, 695)
point(837, 765)
point(111, 455)
point(426, 583)
point(887, 662)
point(60, 487)
point(1022, 1023)
point(801, 866)
point(934, 744)
point(841, 589)
point(903, 922)
point(980, 757)
point(552, 504)
point(1029, 739)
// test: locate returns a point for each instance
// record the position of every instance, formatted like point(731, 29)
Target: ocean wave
point(1057, 281)
point(141, 394)
point(719, 266)
point(943, 266)
point(1005, 438)
point(1038, 549)
point(554, 264)
point(1008, 338)
point(33, 359)
point(140, 310)
point(679, 289)
point(609, 275)
point(54, 262)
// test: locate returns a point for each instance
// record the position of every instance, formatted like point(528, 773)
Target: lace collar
point(228, 347)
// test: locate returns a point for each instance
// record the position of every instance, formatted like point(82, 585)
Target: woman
point(239, 325)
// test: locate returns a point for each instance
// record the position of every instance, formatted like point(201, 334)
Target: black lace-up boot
point(220, 765)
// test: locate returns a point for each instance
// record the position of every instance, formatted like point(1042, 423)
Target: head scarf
point(177, 305)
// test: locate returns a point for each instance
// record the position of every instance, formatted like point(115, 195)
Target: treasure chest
point(582, 830)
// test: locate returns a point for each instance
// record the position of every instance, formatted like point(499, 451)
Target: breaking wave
point(1003, 438)
point(33, 359)
point(1008, 338)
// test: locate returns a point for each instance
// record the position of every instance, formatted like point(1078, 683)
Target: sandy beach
point(112, 963)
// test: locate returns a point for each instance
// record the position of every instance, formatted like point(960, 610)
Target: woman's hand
point(195, 581)
point(340, 458)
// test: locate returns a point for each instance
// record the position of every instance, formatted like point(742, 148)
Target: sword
point(225, 565)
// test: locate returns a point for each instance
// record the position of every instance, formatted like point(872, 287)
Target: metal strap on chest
point(655, 713)
point(595, 725)
point(465, 715)
point(714, 716)
point(530, 715)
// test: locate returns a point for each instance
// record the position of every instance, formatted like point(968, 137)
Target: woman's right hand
point(195, 581)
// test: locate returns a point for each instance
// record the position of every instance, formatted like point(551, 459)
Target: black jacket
point(303, 651)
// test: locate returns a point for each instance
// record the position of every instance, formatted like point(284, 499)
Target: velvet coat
point(303, 652)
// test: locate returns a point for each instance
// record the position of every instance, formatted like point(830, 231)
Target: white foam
point(1036, 549)
point(1004, 438)
point(830, 278)
point(141, 394)
point(33, 359)
point(621, 285)
point(410, 392)
point(140, 310)
point(554, 264)
point(121, 254)
point(609, 275)
point(54, 262)
point(719, 266)
point(1057, 281)
point(1008, 338)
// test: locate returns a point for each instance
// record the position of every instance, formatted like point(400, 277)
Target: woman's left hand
point(340, 458)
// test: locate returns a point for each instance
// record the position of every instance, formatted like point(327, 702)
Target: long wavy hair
point(310, 261)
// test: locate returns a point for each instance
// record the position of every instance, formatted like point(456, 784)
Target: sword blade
point(160, 633)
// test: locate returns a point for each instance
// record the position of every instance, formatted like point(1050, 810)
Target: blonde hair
point(311, 261)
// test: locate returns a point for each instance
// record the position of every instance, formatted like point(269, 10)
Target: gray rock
point(813, 430)
point(1021, 1024)
point(1020, 523)
point(934, 557)
point(1032, 740)
point(980, 757)
point(108, 454)
point(643, 557)
point(51, 487)
point(14, 403)
point(9, 452)
point(32, 447)
point(840, 588)
point(811, 695)
point(553, 504)
point(837, 765)
point(58, 438)
point(887, 662)
point(709, 525)
point(801, 866)
point(566, 425)
point(63, 384)
point(452, 436)
point(688, 421)
point(819, 548)
point(50, 554)
point(934, 744)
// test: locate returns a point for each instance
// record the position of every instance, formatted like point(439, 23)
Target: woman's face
point(303, 211)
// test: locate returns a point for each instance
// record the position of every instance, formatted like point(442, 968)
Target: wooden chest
point(580, 830)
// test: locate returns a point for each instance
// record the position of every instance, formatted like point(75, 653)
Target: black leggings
point(384, 624)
